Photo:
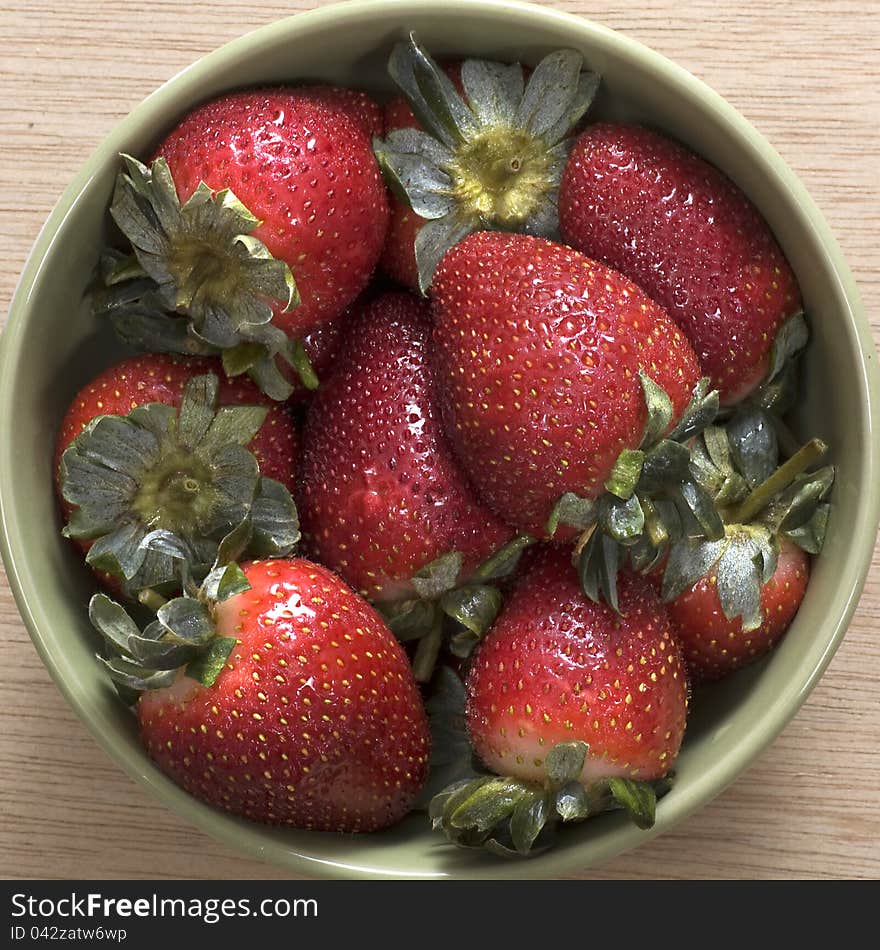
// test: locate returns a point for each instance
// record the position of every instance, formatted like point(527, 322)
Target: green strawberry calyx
point(650, 497)
point(507, 816)
point(491, 159)
point(514, 818)
point(160, 481)
point(448, 610)
point(183, 639)
point(763, 503)
point(777, 392)
point(197, 279)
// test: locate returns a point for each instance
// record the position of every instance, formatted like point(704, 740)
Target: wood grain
point(805, 72)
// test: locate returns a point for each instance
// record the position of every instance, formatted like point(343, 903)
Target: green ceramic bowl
point(51, 346)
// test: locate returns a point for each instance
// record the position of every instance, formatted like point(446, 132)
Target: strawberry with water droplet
point(572, 706)
point(539, 353)
point(654, 210)
point(276, 693)
point(381, 495)
point(260, 218)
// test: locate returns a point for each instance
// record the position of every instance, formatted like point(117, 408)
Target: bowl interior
point(52, 346)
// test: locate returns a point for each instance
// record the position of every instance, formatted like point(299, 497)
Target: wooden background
point(805, 72)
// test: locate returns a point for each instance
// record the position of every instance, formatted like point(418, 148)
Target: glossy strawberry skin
point(159, 377)
point(321, 346)
point(538, 350)
point(316, 721)
point(714, 646)
point(380, 493)
point(398, 259)
point(557, 667)
point(675, 225)
point(358, 105)
point(306, 170)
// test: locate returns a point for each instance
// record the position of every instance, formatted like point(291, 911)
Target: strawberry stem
point(653, 523)
point(428, 650)
point(764, 493)
point(151, 599)
point(583, 540)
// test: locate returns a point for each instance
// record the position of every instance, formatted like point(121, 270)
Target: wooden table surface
point(805, 72)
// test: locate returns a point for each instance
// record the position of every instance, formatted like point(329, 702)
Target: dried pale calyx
point(161, 483)
point(490, 159)
point(183, 637)
point(197, 280)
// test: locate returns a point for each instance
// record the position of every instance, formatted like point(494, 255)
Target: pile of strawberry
point(452, 454)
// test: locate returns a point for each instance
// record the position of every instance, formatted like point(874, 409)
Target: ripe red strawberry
point(539, 351)
point(307, 173)
point(161, 377)
point(731, 598)
point(261, 217)
point(557, 667)
point(121, 475)
point(314, 719)
point(714, 646)
point(674, 224)
point(381, 495)
point(478, 145)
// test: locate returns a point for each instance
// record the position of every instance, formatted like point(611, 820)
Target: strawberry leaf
point(810, 536)
point(274, 521)
point(113, 622)
point(527, 821)
point(503, 562)
point(697, 507)
point(622, 521)
point(753, 445)
point(432, 96)
point(748, 561)
point(486, 805)
point(597, 566)
point(659, 407)
point(409, 619)
point(474, 607)
point(689, 560)
point(209, 665)
point(223, 582)
point(699, 412)
point(638, 799)
point(625, 473)
point(188, 621)
point(565, 762)
point(494, 90)
point(439, 576)
point(790, 339)
point(572, 802)
point(452, 756)
point(572, 510)
point(134, 677)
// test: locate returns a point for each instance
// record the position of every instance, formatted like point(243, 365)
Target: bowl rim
point(702, 788)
